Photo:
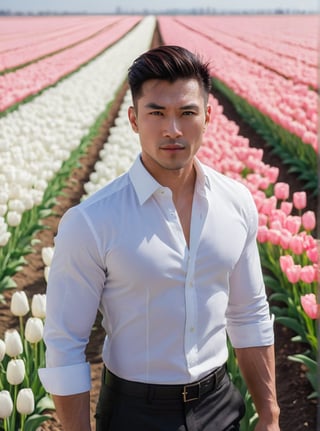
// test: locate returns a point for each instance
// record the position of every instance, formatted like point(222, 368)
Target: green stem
point(23, 419)
point(13, 416)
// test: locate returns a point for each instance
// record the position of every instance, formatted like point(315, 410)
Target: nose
point(172, 128)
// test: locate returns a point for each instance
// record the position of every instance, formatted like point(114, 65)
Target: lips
point(172, 146)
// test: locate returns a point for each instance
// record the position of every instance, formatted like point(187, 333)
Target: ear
point(133, 118)
point(208, 114)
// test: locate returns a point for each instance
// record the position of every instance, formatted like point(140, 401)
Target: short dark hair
point(168, 63)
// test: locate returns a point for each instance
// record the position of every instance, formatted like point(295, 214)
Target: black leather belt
point(186, 393)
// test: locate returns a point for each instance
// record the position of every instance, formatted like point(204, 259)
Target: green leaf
point(46, 403)
point(278, 296)
point(33, 422)
point(292, 324)
point(310, 363)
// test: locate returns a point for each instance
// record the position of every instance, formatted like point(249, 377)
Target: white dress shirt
point(166, 307)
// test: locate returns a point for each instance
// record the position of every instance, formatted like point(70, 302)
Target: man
point(168, 253)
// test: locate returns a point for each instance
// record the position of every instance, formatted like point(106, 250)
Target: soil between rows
point(297, 412)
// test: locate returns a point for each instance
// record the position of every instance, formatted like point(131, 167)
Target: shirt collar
point(145, 185)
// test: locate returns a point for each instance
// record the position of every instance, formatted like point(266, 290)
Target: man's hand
point(267, 426)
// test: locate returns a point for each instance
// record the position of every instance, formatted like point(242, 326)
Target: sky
point(107, 6)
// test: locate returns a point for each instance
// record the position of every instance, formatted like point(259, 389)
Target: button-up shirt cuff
point(257, 334)
point(67, 380)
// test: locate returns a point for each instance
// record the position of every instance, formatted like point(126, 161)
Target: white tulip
point(25, 401)
point(3, 209)
point(47, 255)
point(19, 304)
point(6, 404)
point(16, 371)
point(13, 218)
point(2, 349)
point(34, 330)
point(4, 238)
point(4, 197)
point(38, 305)
point(16, 205)
point(46, 273)
point(13, 343)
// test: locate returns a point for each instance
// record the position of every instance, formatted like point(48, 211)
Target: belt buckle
point(185, 392)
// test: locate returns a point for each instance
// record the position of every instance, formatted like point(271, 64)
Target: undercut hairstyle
point(168, 63)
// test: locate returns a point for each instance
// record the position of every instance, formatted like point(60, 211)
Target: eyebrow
point(153, 105)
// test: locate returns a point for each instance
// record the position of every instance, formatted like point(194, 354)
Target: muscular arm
point(73, 411)
point(257, 366)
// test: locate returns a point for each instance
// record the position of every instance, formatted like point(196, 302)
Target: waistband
point(185, 393)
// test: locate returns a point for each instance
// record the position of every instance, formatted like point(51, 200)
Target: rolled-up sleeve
point(75, 283)
point(249, 323)
point(68, 380)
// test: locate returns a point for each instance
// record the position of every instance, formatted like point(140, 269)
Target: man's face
point(170, 119)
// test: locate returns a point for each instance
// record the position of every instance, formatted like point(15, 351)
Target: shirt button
point(192, 329)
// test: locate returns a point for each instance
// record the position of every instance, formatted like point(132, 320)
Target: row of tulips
point(290, 67)
point(40, 139)
point(22, 31)
point(289, 252)
point(23, 400)
point(292, 106)
point(28, 81)
point(300, 158)
point(43, 43)
point(290, 36)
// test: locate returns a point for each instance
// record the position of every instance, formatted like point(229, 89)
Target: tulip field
point(60, 80)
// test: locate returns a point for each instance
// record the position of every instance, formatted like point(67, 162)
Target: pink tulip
point(296, 245)
point(286, 207)
point(293, 273)
point(308, 220)
point(268, 205)
point(263, 219)
point(281, 191)
point(310, 306)
point(307, 274)
point(276, 224)
point(285, 239)
point(286, 262)
point(274, 236)
point(300, 200)
point(272, 173)
point(262, 235)
point(264, 183)
point(279, 215)
point(293, 224)
point(313, 254)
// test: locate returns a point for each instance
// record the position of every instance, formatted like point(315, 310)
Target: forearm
point(257, 365)
point(73, 411)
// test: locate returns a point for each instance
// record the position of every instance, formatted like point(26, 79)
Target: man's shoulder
point(107, 193)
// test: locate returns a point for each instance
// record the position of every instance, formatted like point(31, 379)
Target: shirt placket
point(199, 211)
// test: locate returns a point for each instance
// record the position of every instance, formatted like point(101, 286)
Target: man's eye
point(156, 113)
point(187, 113)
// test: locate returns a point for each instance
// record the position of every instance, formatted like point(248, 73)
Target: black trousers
point(220, 409)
